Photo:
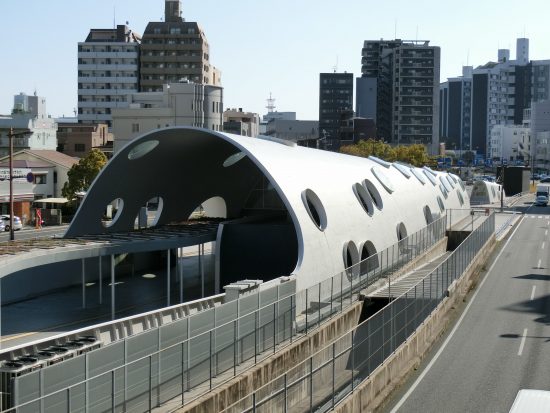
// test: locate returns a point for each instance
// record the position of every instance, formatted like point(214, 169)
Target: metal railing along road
point(162, 369)
point(331, 374)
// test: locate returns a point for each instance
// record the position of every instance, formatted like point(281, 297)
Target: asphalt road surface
point(501, 343)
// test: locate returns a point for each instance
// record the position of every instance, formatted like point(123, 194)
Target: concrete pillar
point(83, 283)
point(112, 287)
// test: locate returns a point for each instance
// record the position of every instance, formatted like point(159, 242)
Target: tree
point(413, 154)
point(82, 174)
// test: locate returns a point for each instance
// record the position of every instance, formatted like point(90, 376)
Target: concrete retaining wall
point(285, 360)
point(370, 394)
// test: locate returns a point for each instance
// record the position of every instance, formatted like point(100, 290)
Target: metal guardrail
point(196, 362)
point(332, 373)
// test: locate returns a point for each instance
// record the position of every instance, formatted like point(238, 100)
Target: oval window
point(113, 212)
point(383, 179)
point(460, 198)
point(403, 169)
point(374, 194)
point(441, 204)
point(142, 149)
point(418, 175)
point(443, 191)
point(430, 177)
point(379, 161)
point(428, 215)
point(369, 257)
point(233, 159)
point(450, 180)
point(364, 198)
point(445, 183)
point(315, 208)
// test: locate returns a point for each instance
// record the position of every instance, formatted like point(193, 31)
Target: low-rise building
point(241, 123)
point(49, 170)
point(79, 139)
point(303, 132)
point(179, 104)
point(33, 127)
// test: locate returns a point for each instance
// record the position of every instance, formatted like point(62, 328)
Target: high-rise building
point(108, 63)
point(174, 50)
point(335, 106)
point(455, 111)
point(401, 78)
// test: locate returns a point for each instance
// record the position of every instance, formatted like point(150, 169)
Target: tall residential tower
point(401, 78)
point(175, 50)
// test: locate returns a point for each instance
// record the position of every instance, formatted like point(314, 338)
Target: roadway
point(501, 343)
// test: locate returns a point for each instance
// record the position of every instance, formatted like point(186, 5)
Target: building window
point(79, 147)
point(40, 179)
point(135, 127)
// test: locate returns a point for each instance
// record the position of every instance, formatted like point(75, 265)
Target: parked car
point(17, 225)
point(544, 180)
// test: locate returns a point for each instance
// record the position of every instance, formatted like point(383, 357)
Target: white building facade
point(108, 70)
point(179, 104)
point(510, 144)
point(35, 129)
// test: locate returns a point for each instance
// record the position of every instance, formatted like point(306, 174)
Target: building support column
point(180, 268)
point(100, 282)
point(112, 287)
point(168, 277)
point(83, 283)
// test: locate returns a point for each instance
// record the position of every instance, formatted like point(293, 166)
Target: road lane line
point(533, 292)
point(522, 342)
point(542, 246)
point(546, 233)
point(539, 263)
point(452, 333)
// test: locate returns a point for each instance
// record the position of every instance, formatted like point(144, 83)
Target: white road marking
point(540, 216)
point(538, 265)
point(533, 292)
point(452, 333)
point(522, 342)
point(542, 246)
point(545, 233)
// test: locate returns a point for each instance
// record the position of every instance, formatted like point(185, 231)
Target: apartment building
point(108, 63)
point(399, 88)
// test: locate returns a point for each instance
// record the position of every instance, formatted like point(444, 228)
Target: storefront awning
point(53, 200)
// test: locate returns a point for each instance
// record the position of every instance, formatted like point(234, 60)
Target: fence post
point(210, 360)
point(333, 371)
point(307, 289)
point(331, 293)
point(68, 400)
point(274, 327)
point(319, 312)
point(311, 383)
point(291, 316)
point(113, 388)
point(182, 373)
point(235, 347)
point(256, 336)
point(286, 394)
point(353, 359)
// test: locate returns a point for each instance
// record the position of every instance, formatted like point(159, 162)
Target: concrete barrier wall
point(286, 360)
point(370, 394)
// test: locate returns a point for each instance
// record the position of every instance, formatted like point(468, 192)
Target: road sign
point(30, 177)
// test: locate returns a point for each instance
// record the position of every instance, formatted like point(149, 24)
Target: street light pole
point(10, 136)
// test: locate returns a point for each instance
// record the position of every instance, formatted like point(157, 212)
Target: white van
point(531, 401)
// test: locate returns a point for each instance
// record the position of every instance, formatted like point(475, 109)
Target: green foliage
point(82, 174)
point(413, 154)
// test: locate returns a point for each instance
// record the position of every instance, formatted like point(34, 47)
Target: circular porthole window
point(369, 257)
point(460, 198)
point(233, 159)
point(113, 212)
point(364, 198)
point(142, 149)
point(315, 208)
point(428, 215)
point(374, 194)
point(441, 204)
point(383, 179)
point(418, 176)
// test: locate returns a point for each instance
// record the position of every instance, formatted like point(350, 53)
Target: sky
point(261, 46)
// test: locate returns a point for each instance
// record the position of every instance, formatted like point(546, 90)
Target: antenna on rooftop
point(395, 28)
point(270, 104)
point(114, 17)
point(335, 67)
point(468, 58)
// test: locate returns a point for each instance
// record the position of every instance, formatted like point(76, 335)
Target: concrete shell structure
point(284, 203)
point(484, 192)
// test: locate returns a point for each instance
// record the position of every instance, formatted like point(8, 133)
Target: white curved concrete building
point(484, 192)
point(289, 209)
